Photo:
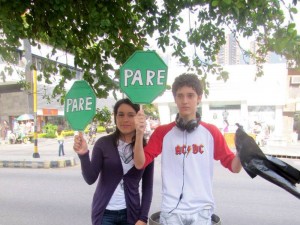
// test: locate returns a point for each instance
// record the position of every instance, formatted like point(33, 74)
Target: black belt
point(115, 212)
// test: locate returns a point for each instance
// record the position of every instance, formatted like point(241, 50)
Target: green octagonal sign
point(80, 105)
point(143, 77)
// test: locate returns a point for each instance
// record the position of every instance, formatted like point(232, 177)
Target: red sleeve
point(154, 146)
point(221, 150)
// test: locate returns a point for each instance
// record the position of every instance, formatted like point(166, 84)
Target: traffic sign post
point(143, 77)
point(80, 105)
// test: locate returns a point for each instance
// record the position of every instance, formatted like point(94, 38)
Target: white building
point(245, 98)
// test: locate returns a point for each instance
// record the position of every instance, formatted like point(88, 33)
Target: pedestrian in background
point(92, 133)
point(226, 126)
point(147, 129)
point(28, 126)
point(117, 199)
point(4, 128)
point(60, 139)
point(22, 130)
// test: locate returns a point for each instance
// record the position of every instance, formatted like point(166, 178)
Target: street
point(61, 197)
point(241, 200)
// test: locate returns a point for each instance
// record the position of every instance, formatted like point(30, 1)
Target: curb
point(38, 163)
point(284, 156)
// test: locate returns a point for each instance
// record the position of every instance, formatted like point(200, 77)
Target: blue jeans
point(61, 148)
point(115, 217)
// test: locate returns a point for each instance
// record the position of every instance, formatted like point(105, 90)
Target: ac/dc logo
point(195, 149)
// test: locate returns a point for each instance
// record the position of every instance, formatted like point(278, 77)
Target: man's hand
point(140, 126)
point(80, 145)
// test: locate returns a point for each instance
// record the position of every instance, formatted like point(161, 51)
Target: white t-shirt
point(117, 200)
point(187, 165)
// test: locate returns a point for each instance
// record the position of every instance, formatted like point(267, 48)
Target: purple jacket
point(106, 164)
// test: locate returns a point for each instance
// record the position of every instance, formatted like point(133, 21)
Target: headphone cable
point(183, 164)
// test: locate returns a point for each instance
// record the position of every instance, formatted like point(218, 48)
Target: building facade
point(245, 99)
point(229, 53)
point(16, 100)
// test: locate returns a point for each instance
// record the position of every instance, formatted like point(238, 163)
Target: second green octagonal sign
point(143, 77)
point(80, 105)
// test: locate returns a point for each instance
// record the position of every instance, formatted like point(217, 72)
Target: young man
point(188, 147)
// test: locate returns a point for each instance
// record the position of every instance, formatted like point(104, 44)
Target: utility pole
point(31, 78)
point(28, 75)
point(35, 138)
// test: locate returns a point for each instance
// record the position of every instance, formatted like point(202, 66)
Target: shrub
point(50, 130)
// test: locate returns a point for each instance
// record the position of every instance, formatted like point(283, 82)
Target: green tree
point(103, 34)
point(151, 110)
point(103, 116)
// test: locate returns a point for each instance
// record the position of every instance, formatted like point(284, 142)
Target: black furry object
point(255, 162)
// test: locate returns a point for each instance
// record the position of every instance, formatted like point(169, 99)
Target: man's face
point(187, 101)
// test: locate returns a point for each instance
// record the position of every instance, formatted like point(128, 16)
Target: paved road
point(60, 196)
point(44, 197)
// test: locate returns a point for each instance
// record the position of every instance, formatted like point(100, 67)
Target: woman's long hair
point(117, 134)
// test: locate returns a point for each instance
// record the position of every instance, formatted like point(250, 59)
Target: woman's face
point(125, 119)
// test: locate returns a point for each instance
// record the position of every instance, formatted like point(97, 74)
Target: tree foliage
point(151, 110)
point(103, 116)
point(102, 34)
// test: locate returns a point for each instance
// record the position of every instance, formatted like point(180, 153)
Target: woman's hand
point(139, 222)
point(140, 122)
point(80, 145)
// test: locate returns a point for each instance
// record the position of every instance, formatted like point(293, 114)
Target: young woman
point(117, 199)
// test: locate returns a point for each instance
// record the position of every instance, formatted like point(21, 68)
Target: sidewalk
point(20, 155)
point(289, 151)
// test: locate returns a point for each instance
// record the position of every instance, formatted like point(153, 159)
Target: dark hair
point(189, 80)
point(59, 129)
point(126, 101)
point(117, 133)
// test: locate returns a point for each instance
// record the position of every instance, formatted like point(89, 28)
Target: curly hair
point(189, 80)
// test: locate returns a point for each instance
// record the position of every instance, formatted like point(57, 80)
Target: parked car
point(110, 128)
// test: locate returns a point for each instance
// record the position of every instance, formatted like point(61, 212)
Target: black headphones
point(190, 125)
